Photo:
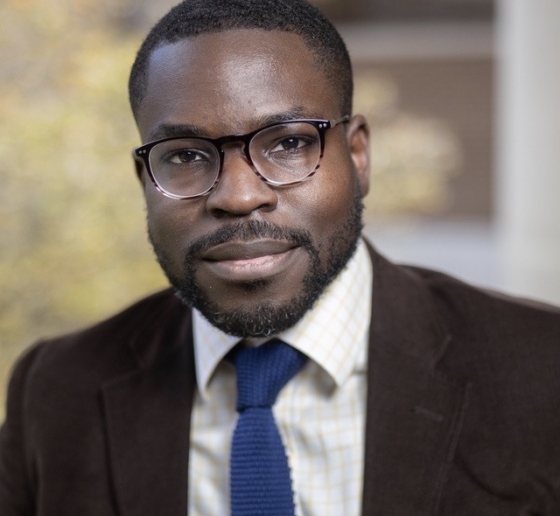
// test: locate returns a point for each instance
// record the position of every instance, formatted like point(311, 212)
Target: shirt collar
point(333, 333)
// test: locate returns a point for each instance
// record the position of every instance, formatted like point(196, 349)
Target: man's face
point(251, 257)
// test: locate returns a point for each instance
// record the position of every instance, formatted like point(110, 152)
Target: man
point(419, 395)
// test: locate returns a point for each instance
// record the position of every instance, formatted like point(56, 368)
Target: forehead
point(227, 82)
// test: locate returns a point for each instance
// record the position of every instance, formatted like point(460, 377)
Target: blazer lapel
point(414, 413)
point(148, 420)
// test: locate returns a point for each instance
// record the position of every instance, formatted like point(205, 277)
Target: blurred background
point(462, 98)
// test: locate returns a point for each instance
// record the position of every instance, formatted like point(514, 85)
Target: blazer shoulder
point(111, 347)
point(507, 348)
point(486, 309)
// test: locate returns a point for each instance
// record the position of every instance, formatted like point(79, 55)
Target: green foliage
point(72, 243)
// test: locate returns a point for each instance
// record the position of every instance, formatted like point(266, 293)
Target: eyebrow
point(286, 116)
point(188, 130)
point(172, 130)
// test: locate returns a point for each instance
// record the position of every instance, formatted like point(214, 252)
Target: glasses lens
point(185, 167)
point(286, 152)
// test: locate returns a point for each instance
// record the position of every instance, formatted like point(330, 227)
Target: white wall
point(528, 154)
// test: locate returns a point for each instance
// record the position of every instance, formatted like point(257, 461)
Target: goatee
point(267, 318)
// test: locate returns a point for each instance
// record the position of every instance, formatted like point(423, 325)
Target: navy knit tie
point(260, 476)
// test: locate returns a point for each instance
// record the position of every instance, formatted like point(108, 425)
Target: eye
point(186, 157)
point(291, 143)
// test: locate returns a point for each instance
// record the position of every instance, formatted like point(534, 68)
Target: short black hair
point(193, 17)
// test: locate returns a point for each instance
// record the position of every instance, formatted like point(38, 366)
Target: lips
point(249, 261)
point(246, 250)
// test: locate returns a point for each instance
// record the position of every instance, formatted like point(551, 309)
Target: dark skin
point(232, 83)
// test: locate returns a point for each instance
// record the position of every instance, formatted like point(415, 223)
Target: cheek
point(331, 200)
point(160, 213)
point(171, 223)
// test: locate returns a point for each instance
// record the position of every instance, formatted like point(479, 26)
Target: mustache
point(249, 230)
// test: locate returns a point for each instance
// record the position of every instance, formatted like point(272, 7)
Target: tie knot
point(263, 371)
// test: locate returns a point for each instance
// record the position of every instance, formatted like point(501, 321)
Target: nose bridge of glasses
point(240, 142)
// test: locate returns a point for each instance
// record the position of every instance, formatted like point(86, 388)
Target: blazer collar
point(162, 326)
point(405, 319)
point(147, 414)
point(414, 413)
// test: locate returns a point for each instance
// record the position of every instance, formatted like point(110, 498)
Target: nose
point(240, 191)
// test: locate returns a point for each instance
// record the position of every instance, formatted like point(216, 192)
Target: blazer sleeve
point(16, 491)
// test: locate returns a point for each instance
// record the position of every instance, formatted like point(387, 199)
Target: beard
point(267, 318)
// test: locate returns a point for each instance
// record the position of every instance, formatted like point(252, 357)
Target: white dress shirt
point(320, 412)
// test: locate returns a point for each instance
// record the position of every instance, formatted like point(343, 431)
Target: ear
point(358, 142)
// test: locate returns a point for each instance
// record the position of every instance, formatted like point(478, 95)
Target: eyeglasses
point(281, 154)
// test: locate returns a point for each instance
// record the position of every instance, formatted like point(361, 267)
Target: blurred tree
point(72, 244)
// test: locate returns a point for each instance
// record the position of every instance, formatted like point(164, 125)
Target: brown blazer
point(463, 411)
